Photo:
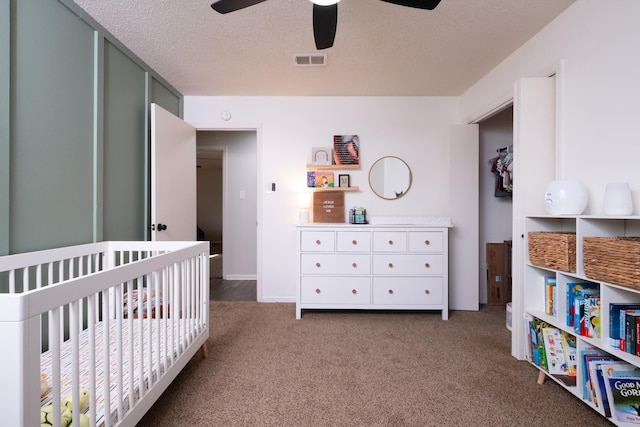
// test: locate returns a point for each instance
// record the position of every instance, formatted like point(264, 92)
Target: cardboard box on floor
point(497, 293)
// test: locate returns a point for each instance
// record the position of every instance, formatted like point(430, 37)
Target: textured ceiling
point(380, 48)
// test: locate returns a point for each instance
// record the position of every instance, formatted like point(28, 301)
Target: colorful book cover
point(581, 320)
point(569, 345)
point(614, 321)
point(623, 394)
point(550, 295)
point(320, 179)
point(624, 332)
point(592, 316)
point(538, 354)
point(554, 351)
point(599, 391)
point(574, 289)
point(584, 369)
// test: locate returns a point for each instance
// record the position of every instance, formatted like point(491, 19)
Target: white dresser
point(373, 267)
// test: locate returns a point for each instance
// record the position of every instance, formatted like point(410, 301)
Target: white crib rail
point(82, 290)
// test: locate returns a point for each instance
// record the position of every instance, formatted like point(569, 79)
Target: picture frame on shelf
point(346, 149)
point(321, 156)
point(344, 181)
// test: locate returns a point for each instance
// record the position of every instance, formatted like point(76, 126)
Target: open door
point(173, 177)
point(534, 163)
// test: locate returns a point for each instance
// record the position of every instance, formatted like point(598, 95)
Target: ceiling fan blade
point(226, 6)
point(418, 4)
point(325, 22)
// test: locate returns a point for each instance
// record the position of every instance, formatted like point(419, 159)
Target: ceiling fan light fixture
point(325, 2)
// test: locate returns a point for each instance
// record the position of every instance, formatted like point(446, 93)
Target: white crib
point(119, 319)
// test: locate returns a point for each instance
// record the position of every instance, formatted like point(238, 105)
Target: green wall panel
point(124, 147)
point(51, 200)
point(165, 98)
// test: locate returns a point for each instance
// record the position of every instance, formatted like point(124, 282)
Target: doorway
point(227, 180)
point(495, 204)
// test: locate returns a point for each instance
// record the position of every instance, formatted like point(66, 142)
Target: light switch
point(242, 195)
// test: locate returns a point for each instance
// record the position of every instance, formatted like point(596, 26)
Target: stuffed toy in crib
point(66, 411)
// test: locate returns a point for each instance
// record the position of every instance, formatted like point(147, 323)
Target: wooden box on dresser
point(371, 267)
point(534, 300)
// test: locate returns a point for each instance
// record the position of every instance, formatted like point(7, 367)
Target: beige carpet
point(361, 369)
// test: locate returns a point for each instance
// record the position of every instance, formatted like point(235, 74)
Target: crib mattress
point(158, 343)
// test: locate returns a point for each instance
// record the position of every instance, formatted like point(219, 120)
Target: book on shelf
point(537, 351)
point(596, 378)
point(569, 344)
point(574, 289)
point(582, 323)
point(622, 386)
point(554, 351)
point(625, 332)
point(550, 295)
point(586, 355)
point(614, 321)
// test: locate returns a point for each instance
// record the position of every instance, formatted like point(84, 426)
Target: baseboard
point(240, 277)
point(278, 299)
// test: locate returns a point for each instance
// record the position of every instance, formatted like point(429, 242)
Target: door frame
point(259, 194)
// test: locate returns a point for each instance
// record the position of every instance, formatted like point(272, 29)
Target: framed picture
point(321, 156)
point(343, 181)
point(346, 149)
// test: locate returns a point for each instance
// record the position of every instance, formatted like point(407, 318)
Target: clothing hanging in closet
point(502, 168)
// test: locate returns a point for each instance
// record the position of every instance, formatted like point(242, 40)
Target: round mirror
point(390, 177)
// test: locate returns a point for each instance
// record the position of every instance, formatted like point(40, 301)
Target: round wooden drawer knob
point(354, 242)
point(318, 242)
point(390, 265)
point(353, 291)
point(426, 242)
point(390, 291)
point(318, 264)
point(426, 291)
point(317, 291)
point(426, 264)
point(354, 265)
point(391, 242)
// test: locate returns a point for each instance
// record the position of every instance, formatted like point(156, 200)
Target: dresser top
point(369, 226)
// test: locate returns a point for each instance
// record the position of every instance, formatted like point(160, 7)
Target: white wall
point(415, 129)
point(598, 91)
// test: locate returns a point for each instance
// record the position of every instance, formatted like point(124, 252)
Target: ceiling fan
point(325, 14)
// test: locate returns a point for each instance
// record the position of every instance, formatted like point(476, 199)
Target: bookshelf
point(534, 301)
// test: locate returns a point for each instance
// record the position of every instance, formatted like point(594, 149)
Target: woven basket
point(613, 260)
point(555, 250)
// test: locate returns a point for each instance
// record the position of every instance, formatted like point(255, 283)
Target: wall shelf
point(332, 167)
point(318, 190)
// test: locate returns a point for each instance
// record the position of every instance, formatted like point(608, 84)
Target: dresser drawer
point(335, 264)
point(335, 290)
point(389, 241)
point(413, 264)
point(317, 241)
point(354, 241)
point(407, 290)
point(425, 241)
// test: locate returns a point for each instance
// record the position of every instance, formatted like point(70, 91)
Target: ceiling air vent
point(309, 60)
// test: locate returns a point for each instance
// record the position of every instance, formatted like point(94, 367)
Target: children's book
point(623, 394)
point(624, 330)
point(599, 391)
point(574, 289)
point(585, 356)
point(554, 351)
point(592, 317)
point(570, 351)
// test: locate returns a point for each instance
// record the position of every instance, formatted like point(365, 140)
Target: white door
point(173, 177)
point(534, 165)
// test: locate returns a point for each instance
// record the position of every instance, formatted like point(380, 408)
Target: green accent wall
point(73, 130)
